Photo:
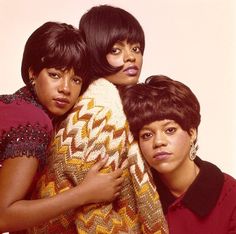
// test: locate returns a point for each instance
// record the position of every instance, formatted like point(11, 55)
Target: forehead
point(159, 124)
point(62, 69)
point(125, 42)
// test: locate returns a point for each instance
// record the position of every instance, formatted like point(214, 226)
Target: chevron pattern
point(94, 128)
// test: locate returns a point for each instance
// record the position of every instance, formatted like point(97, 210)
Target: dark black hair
point(56, 45)
point(160, 98)
point(103, 26)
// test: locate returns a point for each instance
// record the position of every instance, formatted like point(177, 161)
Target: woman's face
point(130, 57)
point(57, 90)
point(166, 146)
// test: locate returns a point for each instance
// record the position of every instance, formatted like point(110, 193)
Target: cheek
point(182, 143)
point(140, 60)
point(116, 61)
point(41, 89)
point(146, 151)
point(75, 92)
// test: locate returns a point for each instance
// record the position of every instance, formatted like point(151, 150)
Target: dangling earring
point(32, 81)
point(193, 152)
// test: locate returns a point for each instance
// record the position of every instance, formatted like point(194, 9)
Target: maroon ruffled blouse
point(25, 127)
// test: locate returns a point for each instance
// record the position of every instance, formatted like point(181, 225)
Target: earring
point(32, 81)
point(193, 152)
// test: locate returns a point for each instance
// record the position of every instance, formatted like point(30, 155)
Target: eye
point(136, 49)
point(54, 75)
point(145, 135)
point(171, 130)
point(77, 80)
point(115, 50)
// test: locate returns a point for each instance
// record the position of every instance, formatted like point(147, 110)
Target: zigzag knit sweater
point(97, 126)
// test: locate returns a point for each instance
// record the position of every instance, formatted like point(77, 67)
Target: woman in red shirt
point(54, 69)
point(196, 196)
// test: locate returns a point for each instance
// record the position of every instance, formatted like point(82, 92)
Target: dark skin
point(18, 173)
point(17, 213)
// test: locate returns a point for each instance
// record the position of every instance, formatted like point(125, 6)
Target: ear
point(31, 73)
point(193, 134)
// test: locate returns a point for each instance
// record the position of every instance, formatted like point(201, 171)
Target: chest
point(182, 220)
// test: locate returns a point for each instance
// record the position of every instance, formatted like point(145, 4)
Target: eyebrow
point(169, 121)
point(121, 43)
point(145, 127)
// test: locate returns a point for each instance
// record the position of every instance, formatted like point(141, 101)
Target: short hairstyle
point(159, 98)
point(104, 25)
point(56, 45)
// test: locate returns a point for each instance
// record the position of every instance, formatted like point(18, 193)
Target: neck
point(179, 181)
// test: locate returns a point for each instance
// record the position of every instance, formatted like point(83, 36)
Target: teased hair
point(104, 25)
point(57, 45)
point(160, 98)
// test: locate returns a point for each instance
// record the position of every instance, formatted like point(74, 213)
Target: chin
point(58, 113)
point(132, 80)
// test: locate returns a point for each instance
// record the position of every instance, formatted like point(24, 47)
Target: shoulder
point(103, 92)
point(25, 130)
point(218, 180)
point(229, 183)
point(22, 107)
point(21, 112)
point(228, 193)
point(101, 99)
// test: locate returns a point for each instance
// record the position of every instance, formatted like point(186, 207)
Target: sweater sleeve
point(97, 127)
point(104, 135)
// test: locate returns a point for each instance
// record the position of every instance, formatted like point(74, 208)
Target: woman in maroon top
point(54, 69)
point(196, 196)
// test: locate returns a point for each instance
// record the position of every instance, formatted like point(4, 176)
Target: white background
point(189, 40)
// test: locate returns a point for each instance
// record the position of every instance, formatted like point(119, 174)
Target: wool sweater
point(97, 126)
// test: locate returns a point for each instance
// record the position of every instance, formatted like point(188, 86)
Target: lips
point(161, 155)
point(61, 102)
point(131, 70)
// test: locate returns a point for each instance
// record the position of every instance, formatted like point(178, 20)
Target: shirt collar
point(202, 195)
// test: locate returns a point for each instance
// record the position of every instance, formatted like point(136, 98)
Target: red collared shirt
point(208, 206)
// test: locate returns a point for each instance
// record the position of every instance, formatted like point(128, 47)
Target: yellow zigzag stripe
point(93, 125)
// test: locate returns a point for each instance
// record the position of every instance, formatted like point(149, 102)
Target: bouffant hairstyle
point(56, 45)
point(102, 26)
point(159, 98)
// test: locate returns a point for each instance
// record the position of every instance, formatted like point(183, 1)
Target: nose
point(129, 56)
point(64, 86)
point(159, 140)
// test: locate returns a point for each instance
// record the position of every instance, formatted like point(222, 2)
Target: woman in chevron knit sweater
point(97, 126)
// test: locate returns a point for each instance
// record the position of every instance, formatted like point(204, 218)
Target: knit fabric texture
point(96, 127)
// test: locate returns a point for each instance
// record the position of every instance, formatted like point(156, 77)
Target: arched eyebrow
point(120, 43)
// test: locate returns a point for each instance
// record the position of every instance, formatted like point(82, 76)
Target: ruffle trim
point(28, 140)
